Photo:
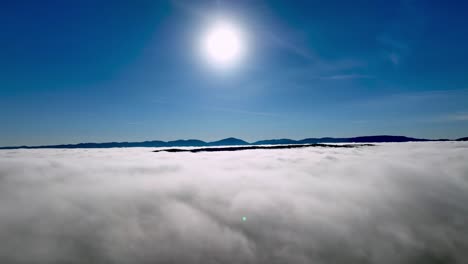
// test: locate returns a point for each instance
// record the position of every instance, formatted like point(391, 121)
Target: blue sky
point(98, 71)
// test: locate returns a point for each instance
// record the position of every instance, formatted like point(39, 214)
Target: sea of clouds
point(386, 204)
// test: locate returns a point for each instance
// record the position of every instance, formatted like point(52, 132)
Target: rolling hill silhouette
point(228, 142)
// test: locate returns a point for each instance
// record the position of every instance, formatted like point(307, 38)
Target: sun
point(223, 45)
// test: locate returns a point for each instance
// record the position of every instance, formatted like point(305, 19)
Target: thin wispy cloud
point(394, 57)
point(392, 42)
point(288, 44)
point(397, 38)
point(455, 117)
point(460, 117)
point(242, 111)
point(394, 50)
point(347, 77)
point(415, 97)
point(176, 103)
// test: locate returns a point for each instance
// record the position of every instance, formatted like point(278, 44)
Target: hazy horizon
point(219, 139)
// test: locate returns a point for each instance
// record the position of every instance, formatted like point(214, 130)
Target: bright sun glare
point(223, 44)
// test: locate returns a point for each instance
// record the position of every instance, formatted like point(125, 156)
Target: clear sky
point(99, 71)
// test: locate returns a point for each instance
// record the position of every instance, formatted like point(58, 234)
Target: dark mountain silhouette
point(186, 143)
point(282, 141)
point(228, 142)
point(235, 141)
point(317, 140)
point(365, 139)
point(385, 138)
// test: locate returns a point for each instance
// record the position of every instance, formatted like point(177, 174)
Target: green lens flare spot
point(244, 218)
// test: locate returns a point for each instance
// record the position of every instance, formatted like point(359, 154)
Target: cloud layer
point(392, 203)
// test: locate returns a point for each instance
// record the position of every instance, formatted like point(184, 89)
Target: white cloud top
point(392, 203)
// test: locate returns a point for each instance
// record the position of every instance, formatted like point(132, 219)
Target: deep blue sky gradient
point(95, 71)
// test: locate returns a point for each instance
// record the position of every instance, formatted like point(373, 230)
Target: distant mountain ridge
point(228, 142)
point(235, 142)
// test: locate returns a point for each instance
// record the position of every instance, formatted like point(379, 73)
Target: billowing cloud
point(391, 203)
